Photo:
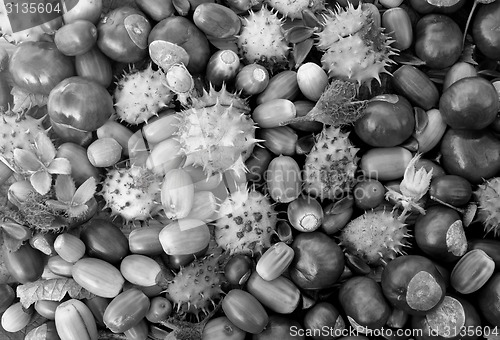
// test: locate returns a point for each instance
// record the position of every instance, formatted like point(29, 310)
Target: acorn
point(126, 310)
point(98, 277)
point(216, 20)
point(283, 85)
point(472, 271)
point(146, 240)
point(279, 295)
point(165, 156)
point(222, 66)
point(312, 80)
point(257, 164)
point(450, 189)
point(16, 317)
point(416, 86)
point(385, 164)
point(272, 113)
point(69, 247)
point(279, 140)
point(204, 206)
point(397, 24)
point(140, 270)
point(47, 308)
point(275, 261)
point(104, 152)
point(283, 179)
point(429, 129)
point(184, 237)
point(238, 269)
point(177, 193)
point(305, 214)
point(221, 328)
point(252, 79)
point(458, 71)
point(161, 127)
point(57, 265)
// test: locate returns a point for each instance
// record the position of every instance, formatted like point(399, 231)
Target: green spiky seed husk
point(330, 167)
point(246, 223)
point(196, 288)
point(131, 192)
point(216, 133)
point(376, 236)
point(488, 198)
point(140, 95)
point(261, 40)
point(354, 47)
point(17, 131)
point(293, 8)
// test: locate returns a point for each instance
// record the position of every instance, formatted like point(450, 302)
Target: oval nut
point(279, 295)
point(252, 79)
point(16, 318)
point(283, 85)
point(279, 140)
point(162, 127)
point(165, 156)
point(397, 24)
point(222, 67)
point(312, 80)
point(69, 247)
point(216, 20)
point(184, 237)
point(104, 152)
point(472, 271)
point(145, 241)
point(283, 179)
point(75, 321)
point(451, 189)
point(177, 194)
point(274, 261)
point(416, 86)
point(385, 164)
point(126, 310)
point(274, 112)
point(98, 277)
point(305, 214)
point(432, 133)
point(140, 270)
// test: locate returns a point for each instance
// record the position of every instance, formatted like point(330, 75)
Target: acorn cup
point(305, 214)
point(416, 86)
point(397, 24)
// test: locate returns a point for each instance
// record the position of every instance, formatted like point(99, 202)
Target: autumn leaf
point(24, 100)
point(71, 200)
point(51, 289)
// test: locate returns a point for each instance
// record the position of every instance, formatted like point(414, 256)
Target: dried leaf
point(26, 160)
point(468, 51)
point(24, 100)
point(45, 149)
point(51, 289)
point(65, 188)
point(406, 58)
point(336, 106)
point(59, 166)
point(85, 192)
point(41, 181)
point(301, 51)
